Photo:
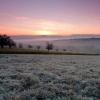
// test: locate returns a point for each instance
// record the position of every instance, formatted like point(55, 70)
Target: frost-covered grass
point(49, 77)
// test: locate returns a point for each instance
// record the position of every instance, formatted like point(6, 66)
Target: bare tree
point(49, 46)
point(57, 49)
point(20, 45)
point(30, 46)
point(38, 47)
point(64, 49)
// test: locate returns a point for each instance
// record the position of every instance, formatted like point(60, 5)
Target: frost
point(49, 77)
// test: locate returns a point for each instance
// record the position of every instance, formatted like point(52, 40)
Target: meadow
point(49, 77)
point(45, 52)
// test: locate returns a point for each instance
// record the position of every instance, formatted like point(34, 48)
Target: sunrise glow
point(44, 32)
point(49, 17)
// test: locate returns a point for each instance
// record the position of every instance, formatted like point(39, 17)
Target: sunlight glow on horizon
point(29, 26)
point(44, 32)
point(49, 17)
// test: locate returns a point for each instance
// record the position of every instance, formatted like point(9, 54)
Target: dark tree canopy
point(20, 45)
point(38, 47)
point(30, 46)
point(6, 41)
point(49, 46)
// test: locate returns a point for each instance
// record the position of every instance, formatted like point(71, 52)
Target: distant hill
point(87, 39)
point(57, 36)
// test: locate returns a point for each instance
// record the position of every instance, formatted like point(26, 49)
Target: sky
point(49, 17)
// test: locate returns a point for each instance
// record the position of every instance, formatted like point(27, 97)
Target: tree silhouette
point(38, 47)
point(30, 46)
point(49, 46)
point(64, 49)
point(20, 45)
point(6, 41)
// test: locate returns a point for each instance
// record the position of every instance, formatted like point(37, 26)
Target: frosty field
point(49, 77)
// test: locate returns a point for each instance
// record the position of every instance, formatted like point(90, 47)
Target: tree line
point(7, 41)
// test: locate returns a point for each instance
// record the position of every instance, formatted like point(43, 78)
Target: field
point(49, 77)
point(45, 52)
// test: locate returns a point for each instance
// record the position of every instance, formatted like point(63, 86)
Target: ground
point(49, 77)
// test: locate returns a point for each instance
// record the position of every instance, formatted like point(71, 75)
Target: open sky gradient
point(49, 17)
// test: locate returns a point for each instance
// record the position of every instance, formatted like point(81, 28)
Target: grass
point(49, 77)
point(31, 51)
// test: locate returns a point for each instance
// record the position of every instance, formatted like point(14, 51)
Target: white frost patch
point(49, 77)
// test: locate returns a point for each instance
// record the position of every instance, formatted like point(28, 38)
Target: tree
point(38, 47)
point(64, 49)
point(20, 45)
point(30, 46)
point(57, 49)
point(6, 41)
point(49, 46)
point(11, 43)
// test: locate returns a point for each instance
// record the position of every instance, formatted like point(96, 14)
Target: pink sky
point(49, 17)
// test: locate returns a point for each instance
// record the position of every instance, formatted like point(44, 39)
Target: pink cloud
point(21, 17)
point(6, 15)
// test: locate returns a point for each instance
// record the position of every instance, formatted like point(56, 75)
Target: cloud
point(21, 18)
point(6, 15)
